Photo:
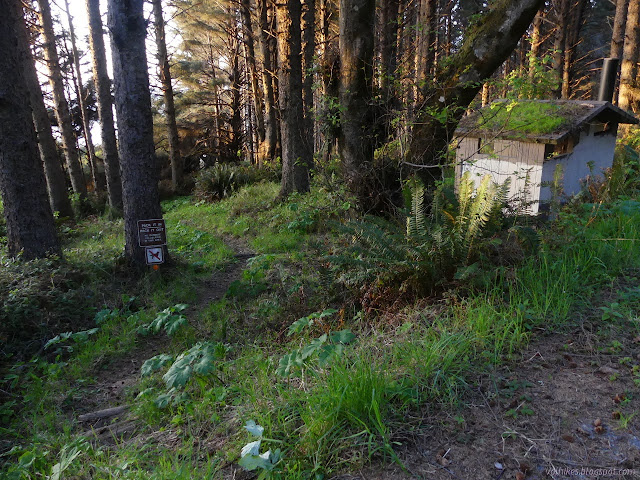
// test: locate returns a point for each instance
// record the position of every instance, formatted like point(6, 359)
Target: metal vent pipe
point(608, 79)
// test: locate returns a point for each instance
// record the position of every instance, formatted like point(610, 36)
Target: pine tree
point(105, 112)
point(127, 27)
point(296, 157)
point(167, 90)
point(30, 227)
point(54, 174)
point(63, 115)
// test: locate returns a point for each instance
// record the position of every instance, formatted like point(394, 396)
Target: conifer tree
point(30, 227)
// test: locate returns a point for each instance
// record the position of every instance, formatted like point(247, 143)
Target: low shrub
point(427, 250)
point(39, 298)
point(223, 179)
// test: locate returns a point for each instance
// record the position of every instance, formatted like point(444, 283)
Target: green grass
point(325, 417)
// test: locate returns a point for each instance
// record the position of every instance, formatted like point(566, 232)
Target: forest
point(319, 239)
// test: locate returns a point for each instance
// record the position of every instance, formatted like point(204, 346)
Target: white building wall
point(520, 161)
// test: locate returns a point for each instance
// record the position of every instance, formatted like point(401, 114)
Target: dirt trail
point(566, 410)
point(99, 419)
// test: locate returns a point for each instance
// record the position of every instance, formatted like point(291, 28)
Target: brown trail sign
point(152, 235)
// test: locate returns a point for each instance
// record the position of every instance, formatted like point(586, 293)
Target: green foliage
point(429, 249)
point(38, 298)
point(538, 83)
point(309, 320)
point(250, 457)
point(170, 320)
point(200, 361)
point(223, 179)
point(524, 117)
point(324, 348)
point(77, 337)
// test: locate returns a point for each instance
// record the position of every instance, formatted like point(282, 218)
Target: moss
point(527, 117)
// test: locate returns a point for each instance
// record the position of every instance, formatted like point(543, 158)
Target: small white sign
point(155, 255)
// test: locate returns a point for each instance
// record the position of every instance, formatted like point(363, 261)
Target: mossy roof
point(539, 121)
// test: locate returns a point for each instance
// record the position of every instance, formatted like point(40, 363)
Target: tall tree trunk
point(330, 78)
point(619, 23)
point(308, 54)
point(617, 37)
point(236, 102)
point(267, 149)
point(140, 197)
point(167, 91)
point(493, 39)
point(295, 156)
point(97, 166)
point(427, 29)
point(561, 9)
point(571, 40)
point(249, 42)
point(30, 227)
point(54, 174)
point(216, 108)
point(105, 111)
point(356, 143)
point(61, 106)
point(389, 48)
point(629, 95)
point(534, 53)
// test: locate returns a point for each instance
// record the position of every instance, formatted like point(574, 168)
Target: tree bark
point(356, 142)
point(97, 166)
point(167, 91)
point(561, 9)
point(576, 13)
point(619, 24)
point(61, 106)
point(267, 149)
point(427, 30)
point(127, 27)
point(249, 42)
point(629, 96)
point(617, 36)
point(105, 112)
point(30, 226)
point(485, 48)
point(534, 53)
point(295, 156)
point(54, 174)
point(309, 50)
point(389, 48)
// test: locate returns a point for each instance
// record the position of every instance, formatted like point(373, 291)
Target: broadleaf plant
point(170, 319)
point(325, 347)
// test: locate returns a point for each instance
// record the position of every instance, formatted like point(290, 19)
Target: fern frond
point(465, 194)
point(416, 223)
point(480, 211)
